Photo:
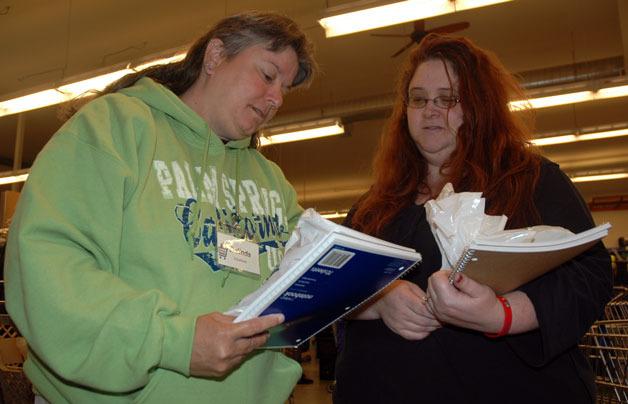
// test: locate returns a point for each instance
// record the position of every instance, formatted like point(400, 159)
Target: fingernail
point(458, 278)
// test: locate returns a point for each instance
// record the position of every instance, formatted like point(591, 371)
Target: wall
point(619, 220)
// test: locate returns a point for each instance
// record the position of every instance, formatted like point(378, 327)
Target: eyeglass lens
point(442, 101)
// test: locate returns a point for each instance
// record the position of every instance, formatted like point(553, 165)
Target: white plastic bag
point(457, 219)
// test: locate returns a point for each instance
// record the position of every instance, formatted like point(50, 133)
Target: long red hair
point(493, 154)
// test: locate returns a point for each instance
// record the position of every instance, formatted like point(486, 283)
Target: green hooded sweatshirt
point(112, 253)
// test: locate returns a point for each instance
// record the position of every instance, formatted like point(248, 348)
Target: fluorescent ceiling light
point(612, 92)
point(97, 83)
point(301, 131)
point(32, 101)
point(546, 141)
point(600, 177)
point(551, 140)
point(334, 215)
point(70, 91)
point(161, 61)
point(395, 13)
point(570, 98)
point(13, 179)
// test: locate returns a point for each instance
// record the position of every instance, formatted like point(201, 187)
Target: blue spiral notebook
point(333, 275)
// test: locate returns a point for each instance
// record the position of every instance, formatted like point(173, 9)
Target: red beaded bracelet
point(507, 319)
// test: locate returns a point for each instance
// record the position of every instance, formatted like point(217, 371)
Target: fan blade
point(402, 49)
point(447, 29)
point(419, 25)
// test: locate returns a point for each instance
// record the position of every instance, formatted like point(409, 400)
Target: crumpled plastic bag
point(310, 228)
point(458, 219)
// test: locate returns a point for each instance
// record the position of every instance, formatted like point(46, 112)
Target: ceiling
point(46, 42)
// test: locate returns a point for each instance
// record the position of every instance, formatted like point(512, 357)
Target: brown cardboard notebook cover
point(505, 267)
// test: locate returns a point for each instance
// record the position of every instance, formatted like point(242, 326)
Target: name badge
point(238, 253)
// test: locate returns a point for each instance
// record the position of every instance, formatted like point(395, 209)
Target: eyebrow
point(287, 87)
point(438, 89)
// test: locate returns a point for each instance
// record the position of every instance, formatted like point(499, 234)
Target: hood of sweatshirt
point(161, 98)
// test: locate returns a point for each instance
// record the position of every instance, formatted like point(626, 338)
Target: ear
point(214, 55)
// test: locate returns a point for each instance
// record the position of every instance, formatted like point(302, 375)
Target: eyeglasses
point(442, 101)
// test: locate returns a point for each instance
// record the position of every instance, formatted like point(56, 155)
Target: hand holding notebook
point(476, 243)
point(327, 271)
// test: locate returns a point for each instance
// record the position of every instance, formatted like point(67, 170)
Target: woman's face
point(244, 92)
point(434, 129)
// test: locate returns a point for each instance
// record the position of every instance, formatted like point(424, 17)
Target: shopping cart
point(606, 347)
point(15, 388)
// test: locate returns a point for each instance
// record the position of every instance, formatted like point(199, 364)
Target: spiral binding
point(405, 272)
point(467, 255)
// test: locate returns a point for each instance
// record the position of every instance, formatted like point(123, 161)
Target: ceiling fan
point(420, 32)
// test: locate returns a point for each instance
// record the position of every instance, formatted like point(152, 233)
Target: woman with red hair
point(424, 340)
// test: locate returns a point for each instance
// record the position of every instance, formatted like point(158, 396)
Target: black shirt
point(454, 365)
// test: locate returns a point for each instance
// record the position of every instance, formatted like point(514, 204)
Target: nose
point(430, 108)
point(275, 95)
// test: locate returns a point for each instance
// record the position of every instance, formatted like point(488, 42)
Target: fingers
point(415, 326)
point(257, 325)
point(418, 303)
point(438, 284)
point(468, 286)
point(413, 331)
point(444, 298)
point(248, 344)
point(429, 304)
point(220, 344)
point(404, 311)
point(415, 336)
point(465, 303)
point(425, 311)
point(251, 334)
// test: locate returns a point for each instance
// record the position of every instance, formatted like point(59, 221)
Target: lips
point(432, 127)
point(259, 113)
point(264, 115)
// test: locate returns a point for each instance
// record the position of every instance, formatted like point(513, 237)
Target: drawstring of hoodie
point(195, 209)
point(236, 208)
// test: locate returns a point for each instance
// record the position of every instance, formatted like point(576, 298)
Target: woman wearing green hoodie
point(113, 272)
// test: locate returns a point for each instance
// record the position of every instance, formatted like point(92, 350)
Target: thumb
point(258, 325)
point(468, 286)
